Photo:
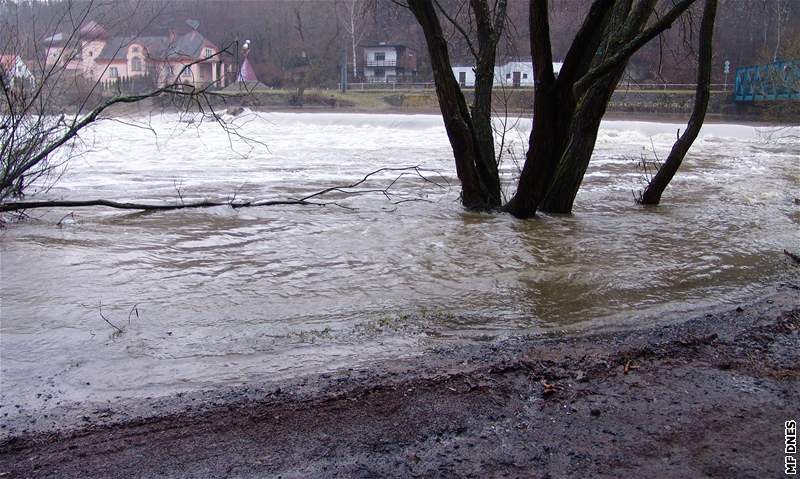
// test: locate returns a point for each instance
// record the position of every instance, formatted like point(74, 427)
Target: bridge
point(770, 82)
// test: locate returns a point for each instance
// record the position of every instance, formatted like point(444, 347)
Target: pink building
point(93, 53)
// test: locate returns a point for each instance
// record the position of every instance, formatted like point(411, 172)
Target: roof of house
point(187, 45)
point(91, 31)
point(385, 45)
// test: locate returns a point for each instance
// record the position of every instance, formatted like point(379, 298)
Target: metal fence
point(389, 85)
point(623, 86)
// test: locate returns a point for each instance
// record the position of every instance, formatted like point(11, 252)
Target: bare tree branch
point(347, 189)
point(625, 51)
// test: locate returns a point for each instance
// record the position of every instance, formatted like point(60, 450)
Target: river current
point(205, 297)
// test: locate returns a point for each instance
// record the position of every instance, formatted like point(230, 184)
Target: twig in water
point(118, 329)
point(133, 310)
point(61, 221)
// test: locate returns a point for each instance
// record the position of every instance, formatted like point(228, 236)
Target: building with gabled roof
point(512, 74)
point(389, 63)
point(93, 53)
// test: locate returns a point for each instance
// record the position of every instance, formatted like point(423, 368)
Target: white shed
point(465, 75)
point(511, 74)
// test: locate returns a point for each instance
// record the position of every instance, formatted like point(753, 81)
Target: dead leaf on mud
point(548, 388)
point(629, 366)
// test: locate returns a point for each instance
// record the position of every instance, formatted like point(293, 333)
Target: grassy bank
point(676, 103)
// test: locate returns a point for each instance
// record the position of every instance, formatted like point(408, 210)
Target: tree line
point(748, 32)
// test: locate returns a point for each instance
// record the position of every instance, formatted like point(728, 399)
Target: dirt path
point(701, 398)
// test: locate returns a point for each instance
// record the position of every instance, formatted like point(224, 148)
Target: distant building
point(510, 74)
point(14, 70)
point(96, 55)
point(389, 63)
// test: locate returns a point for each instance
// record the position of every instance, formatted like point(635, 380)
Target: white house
point(14, 69)
point(387, 63)
point(510, 74)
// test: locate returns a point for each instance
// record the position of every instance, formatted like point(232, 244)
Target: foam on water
point(227, 296)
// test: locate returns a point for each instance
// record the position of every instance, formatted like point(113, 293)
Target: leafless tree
point(667, 170)
point(567, 109)
point(354, 15)
point(40, 132)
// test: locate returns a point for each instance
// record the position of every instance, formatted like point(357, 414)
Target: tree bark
point(480, 183)
point(620, 24)
point(554, 102)
point(625, 33)
point(488, 37)
point(567, 109)
point(652, 194)
point(572, 167)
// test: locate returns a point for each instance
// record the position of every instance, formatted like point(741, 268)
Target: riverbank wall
point(675, 104)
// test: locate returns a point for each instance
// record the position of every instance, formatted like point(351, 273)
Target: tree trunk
point(480, 183)
point(572, 166)
point(652, 194)
point(567, 109)
point(595, 88)
point(355, 60)
point(481, 114)
point(554, 101)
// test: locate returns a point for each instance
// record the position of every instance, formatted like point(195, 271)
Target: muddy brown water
point(220, 296)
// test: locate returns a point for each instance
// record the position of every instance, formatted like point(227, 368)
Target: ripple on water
point(229, 295)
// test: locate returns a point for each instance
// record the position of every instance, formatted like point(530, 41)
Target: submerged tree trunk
point(567, 113)
point(555, 104)
point(621, 25)
point(657, 185)
point(471, 138)
point(582, 138)
point(567, 109)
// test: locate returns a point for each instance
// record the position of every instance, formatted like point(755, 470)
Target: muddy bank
point(704, 395)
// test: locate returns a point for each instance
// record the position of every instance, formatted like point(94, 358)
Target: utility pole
point(726, 70)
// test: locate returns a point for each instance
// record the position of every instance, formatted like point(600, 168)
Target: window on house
point(187, 72)
point(524, 75)
point(209, 52)
point(135, 49)
point(136, 64)
point(113, 72)
point(380, 56)
point(380, 72)
point(508, 76)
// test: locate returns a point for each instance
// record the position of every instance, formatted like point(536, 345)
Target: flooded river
point(218, 296)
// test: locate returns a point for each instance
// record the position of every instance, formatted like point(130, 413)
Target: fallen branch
point(25, 205)
point(792, 255)
point(345, 189)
